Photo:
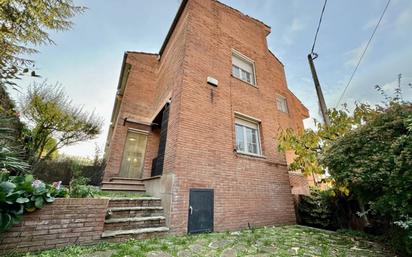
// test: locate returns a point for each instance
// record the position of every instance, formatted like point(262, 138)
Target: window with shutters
point(243, 68)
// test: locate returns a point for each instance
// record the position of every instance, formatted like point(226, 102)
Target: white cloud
point(288, 37)
point(371, 24)
point(352, 56)
point(404, 19)
point(297, 25)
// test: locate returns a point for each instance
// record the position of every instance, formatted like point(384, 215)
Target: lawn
point(98, 193)
point(271, 241)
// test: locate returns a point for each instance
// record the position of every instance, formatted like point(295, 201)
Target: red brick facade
point(299, 183)
point(62, 223)
point(201, 130)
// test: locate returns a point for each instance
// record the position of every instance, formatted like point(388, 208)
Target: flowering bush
point(21, 194)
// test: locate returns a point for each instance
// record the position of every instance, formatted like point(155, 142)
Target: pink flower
point(37, 183)
point(57, 185)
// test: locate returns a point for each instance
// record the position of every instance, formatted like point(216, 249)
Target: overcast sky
point(86, 60)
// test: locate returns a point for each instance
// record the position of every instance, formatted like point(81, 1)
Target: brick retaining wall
point(65, 222)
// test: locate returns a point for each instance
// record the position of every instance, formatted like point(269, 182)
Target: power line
point(312, 56)
point(363, 53)
point(317, 30)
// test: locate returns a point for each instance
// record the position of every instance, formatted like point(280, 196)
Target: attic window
point(243, 68)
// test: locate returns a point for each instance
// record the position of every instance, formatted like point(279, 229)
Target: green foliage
point(55, 122)
point(20, 194)
point(375, 162)
point(80, 189)
point(309, 146)
point(279, 241)
point(317, 209)
point(11, 161)
point(64, 168)
point(98, 193)
point(7, 105)
point(401, 240)
point(24, 23)
point(11, 156)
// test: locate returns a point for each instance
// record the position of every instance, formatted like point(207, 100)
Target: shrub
point(10, 160)
point(374, 162)
point(401, 236)
point(21, 194)
point(316, 209)
point(79, 188)
point(11, 148)
point(64, 169)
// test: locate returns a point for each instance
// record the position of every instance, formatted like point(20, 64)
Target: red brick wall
point(165, 81)
point(201, 139)
point(152, 148)
point(136, 104)
point(247, 189)
point(64, 222)
point(152, 81)
point(299, 183)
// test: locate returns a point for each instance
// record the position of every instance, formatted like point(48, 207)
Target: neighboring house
point(198, 123)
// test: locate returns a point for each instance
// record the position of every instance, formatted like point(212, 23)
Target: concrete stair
point(135, 222)
point(120, 184)
point(137, 218)
point(132, 232)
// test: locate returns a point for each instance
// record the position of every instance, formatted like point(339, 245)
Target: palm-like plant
point(11, 161)
point(10, 153)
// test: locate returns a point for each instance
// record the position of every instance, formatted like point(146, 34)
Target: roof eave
point(172, 28)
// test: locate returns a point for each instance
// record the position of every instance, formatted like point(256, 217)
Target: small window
point(247, 137)
point(243, 69)
point(282, 104)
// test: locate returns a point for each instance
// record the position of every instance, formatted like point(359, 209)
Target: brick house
point(197, 123)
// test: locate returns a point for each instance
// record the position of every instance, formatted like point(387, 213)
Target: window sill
point(244, 81)
point(251, 155)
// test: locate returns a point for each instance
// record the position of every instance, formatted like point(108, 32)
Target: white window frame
point(281, 97)
point(246, 59)
point(247, 122)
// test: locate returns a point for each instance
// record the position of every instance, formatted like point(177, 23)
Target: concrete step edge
point(136, 208)
point(136, 199)
point(113, 233)
point(125, 179)
point(134, 219)
point(123, 189)
point(123, 183)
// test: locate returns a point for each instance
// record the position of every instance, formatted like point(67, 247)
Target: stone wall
point(65, 222)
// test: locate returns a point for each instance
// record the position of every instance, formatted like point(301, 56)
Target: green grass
point(274, 241)
point(98, 193)
point(118, 194)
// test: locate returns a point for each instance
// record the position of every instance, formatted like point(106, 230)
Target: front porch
point(143, 154)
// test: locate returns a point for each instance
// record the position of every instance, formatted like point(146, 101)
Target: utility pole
point(322, 104)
